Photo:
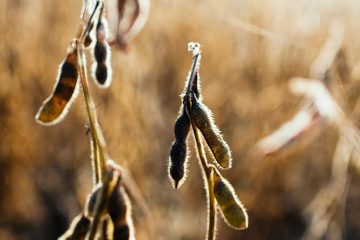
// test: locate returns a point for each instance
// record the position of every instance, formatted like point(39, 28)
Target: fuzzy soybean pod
point(102, 67)
point(56, 105)
point(202, 117)
point(119, 209)
point(78, 229)
point(232, 210)
point(178, 152)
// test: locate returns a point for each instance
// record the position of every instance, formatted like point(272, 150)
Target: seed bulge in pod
point(101, 73)
point(178, 158)
point(182, 126)
point(232, 210)
point(203, 120)
point(100, 52)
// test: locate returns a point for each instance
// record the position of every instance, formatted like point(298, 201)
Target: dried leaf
point(126, 19)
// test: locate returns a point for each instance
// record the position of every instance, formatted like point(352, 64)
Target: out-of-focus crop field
point(45, 172)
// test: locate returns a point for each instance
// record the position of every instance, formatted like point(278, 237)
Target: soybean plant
point(195, 115)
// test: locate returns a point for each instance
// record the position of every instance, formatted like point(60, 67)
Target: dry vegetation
point(45, 172)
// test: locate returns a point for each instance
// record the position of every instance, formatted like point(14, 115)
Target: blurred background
point(45, 172)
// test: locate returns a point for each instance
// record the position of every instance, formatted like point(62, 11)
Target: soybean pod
point(232, 209)
point(178, 152)
point(202, 117)
point(66, 87)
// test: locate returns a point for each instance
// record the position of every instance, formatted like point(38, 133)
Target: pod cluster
point(195, 115)
point(111, 202)
point(55, 107)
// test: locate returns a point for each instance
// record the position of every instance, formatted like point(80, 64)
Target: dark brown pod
point(203, 120)
point(119, 210)
point(56, 105)
point(231, 208)
point(102, 54)
point(78, 229)
point(178, 152)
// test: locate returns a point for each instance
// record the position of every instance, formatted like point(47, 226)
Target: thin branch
point(207, 172)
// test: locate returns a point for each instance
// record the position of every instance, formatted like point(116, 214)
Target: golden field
point(45, 172)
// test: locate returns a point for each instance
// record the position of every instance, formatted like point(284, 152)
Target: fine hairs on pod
point(232, 209)
point(102, 55)
point(55, 107)
point(202, 117)
point(119, 209)
point(78, 229)
point(179, 152)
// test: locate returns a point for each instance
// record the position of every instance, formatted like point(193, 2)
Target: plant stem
point(212, 207)
point(96, 134)
point(208, 173)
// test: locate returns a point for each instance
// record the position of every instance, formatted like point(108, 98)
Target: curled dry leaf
point(318, 94)
point(66, 88)
point(126, 19)
point(306, 123)
point(231, 208)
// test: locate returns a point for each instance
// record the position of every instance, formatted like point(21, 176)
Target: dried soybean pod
point(119, 209)
point(78, 229)
point(203, 120)
point(66, 87)
point(102, 54)
point(178, 152)
point(232, 210)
